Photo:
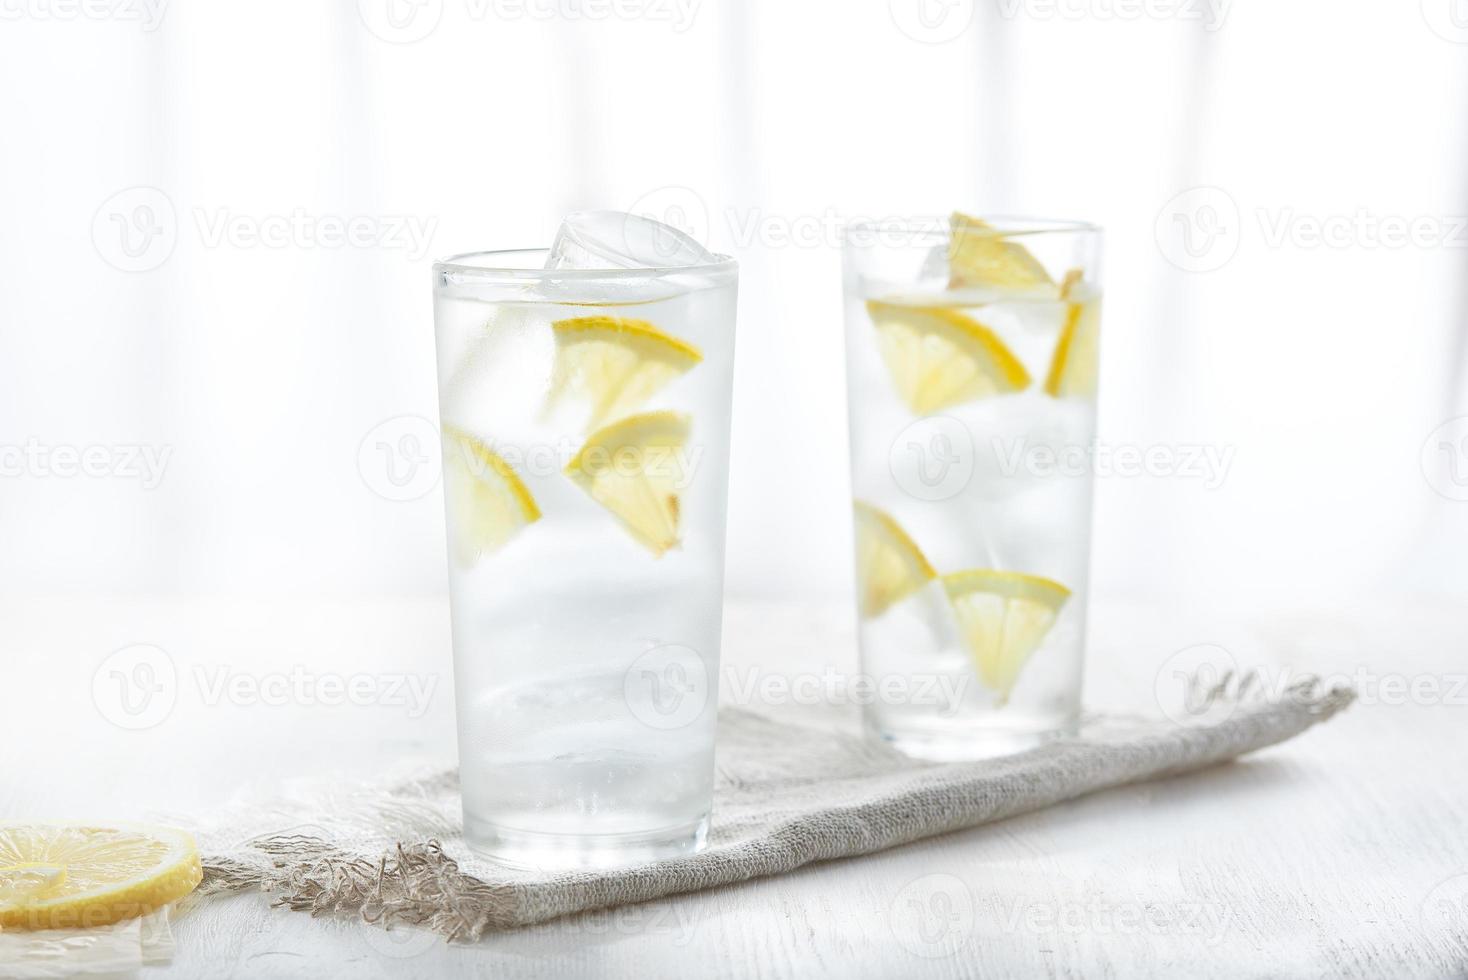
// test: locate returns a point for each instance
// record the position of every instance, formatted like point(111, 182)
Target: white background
point(260, 369)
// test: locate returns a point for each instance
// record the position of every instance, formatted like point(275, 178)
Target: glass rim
point(460, 265)
point(1007, 225)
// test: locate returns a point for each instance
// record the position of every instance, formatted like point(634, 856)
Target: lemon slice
point(615, 363)
point(889, 565)
point(1073, 366)
point(980, 255)
point(1003, 616)
point(74, 875)
point(488, 503)
point(635, 469)
point(939, 357)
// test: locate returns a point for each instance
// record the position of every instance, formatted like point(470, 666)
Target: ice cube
point(935, 263)
point(615, 240)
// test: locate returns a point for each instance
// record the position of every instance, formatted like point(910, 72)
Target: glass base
point(978, 741)
point(534, 850)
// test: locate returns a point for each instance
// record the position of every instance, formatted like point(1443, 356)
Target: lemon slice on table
point(615, 363)
point(77, 875)
point(939, 357)
point(981, 255)
point(1074, 365)
point(1004, 617)
point(635, 468)
point(488, 503)
point(889, 565)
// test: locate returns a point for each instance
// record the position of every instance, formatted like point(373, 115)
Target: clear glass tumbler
point(971, 370)
point(585, 456)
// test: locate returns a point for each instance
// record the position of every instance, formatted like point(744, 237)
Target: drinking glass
point(585, 420)
point(971, 369)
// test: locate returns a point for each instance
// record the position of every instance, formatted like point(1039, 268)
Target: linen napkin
point(786, 795)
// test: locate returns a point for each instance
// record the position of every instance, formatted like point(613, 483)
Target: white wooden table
point(1344, 853)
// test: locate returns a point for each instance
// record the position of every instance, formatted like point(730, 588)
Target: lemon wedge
point(635, 468)
point(1004, 617)
point(889, 565)
point(488, 503)
point(939, 357)
point(75, 875)
point(980, 255)
point(1074, 365)
point(615, 363)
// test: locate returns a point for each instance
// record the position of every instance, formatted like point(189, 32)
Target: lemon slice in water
point(77, 875)
point(488, 503)
point(939, 357)
point(636, 469)
point(1074, 365)
point(889, 565)
point(615, 363)
point(1004, 617)
point(981, 255)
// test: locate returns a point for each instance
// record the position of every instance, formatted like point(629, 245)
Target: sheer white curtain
point(255, 356)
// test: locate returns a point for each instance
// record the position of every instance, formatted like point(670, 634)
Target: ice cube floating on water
point(616, 240)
